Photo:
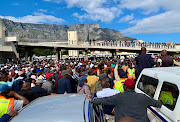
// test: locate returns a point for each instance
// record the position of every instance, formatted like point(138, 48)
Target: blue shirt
point(4, 118)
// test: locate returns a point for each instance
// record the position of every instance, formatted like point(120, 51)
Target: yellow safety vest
point(5, 105)
point(118, 85)
point(131, 73)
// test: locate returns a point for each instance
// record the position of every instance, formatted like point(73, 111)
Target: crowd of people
point(107, 80)
point(170, 45)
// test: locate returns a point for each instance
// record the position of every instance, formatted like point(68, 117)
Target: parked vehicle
point(60, 108)
point(161, 84)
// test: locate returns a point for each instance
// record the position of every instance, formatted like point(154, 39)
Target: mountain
point(52, 32)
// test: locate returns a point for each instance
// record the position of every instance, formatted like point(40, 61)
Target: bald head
point(143, 50)
point(26, 86)
point(126, 119)
point(164, 52)
point(104, 83)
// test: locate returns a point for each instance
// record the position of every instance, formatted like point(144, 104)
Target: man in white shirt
point(107, 92)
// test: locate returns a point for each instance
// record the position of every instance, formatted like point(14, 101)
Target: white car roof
point(53, 108)
point(162, 70)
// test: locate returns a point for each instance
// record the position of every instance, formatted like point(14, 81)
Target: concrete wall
point(12, 39)
point(2, 34)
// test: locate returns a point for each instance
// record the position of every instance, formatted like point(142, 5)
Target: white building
point(73, 40)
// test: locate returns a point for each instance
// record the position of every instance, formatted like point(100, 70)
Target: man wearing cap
point(48, 84)
point(38, 88)
point(9, 105)
point(64, 84)
point(98, 86)
point(129, 103)
point(83, 88)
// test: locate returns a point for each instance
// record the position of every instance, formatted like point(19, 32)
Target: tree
point(64, 52)
point(43, 52)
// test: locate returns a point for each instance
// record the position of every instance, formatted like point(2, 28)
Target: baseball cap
point(48, 75)
point(33, 77)
point(64, 72)
point(82, 78)
point(4, 87)
point(39, 81)
point(102, 76)
point(129, 83)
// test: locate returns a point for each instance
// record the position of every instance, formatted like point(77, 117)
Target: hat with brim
point(102, 76)
point(39, 81)
point(64, 72)
point(4, 87)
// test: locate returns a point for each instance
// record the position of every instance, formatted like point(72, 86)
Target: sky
point(148, 20)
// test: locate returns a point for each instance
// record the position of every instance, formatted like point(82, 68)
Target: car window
point(169, 95)
point(148, 85)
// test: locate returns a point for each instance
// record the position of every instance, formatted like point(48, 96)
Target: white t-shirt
point(106, 92)
point(18, 104)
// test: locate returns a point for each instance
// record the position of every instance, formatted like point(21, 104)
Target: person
point(125, 67)
point(129, 103)
point(143, 61)
point(82, 87)
point(48, 84)
point(126, 119)
point(9, 105)
point(38, 88)
point(6, 117)
point(109, 78)
point(74, 82)
point(92, 80)
point(106, 91)
point(118, 85)
point(27, 93)
point(64, 84)
point(166, 59)
point(131, 72)
point(98, 86)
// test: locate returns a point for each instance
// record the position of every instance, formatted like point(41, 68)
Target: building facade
point(8, 51)
point(73, 40)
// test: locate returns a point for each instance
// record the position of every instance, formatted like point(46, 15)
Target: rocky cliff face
point(51, 32)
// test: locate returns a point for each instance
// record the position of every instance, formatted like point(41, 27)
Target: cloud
point(167, 22)
point(42, 10)
point(36, 18)
point(15, 4)
point(127, 18)
point(96, 10)
point(54, 1)
point(150, 6)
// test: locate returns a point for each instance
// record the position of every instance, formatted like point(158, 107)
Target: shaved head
point(26, 86)
point(143, 50)
point(164, 52)
point(104, 83)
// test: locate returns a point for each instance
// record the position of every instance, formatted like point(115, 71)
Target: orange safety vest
point(6, 105)
point(131, 73)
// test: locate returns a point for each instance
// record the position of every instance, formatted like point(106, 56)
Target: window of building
point(169, 95)
point(72, 41)
point(148, 85)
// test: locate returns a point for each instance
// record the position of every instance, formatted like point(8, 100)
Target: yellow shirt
point(91, 81)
